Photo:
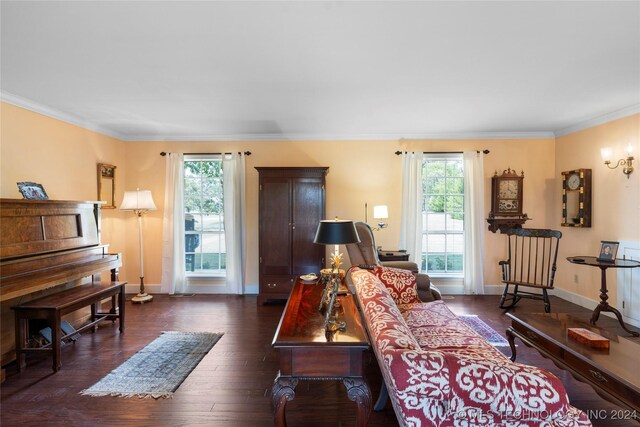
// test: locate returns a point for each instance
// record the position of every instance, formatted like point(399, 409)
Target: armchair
point(365, 252)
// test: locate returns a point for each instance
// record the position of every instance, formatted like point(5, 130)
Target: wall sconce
point(606, 154)
point(380, 212)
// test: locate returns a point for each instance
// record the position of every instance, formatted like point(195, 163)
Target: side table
point(308, 352)
point(603, 265)
point(392, 255)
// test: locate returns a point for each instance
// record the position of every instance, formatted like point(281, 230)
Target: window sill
point(205, 277)
point(446, 277)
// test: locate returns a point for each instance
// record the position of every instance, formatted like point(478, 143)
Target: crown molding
point(85, 124)
point(339, 137)
point(598, 120)
point(54, 113)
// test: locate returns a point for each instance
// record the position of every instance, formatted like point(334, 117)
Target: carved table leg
point(283, 390)
point(511, 338)
point(359, 392)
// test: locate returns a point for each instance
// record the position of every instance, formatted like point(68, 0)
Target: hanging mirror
point(107, 185)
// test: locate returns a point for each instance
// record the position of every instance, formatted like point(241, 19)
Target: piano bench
point(52, 307)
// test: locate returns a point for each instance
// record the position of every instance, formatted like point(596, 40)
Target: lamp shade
point(336, 232)
point(380, 212)
point(139, 200)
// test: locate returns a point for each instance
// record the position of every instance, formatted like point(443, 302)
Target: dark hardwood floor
point(231, 386)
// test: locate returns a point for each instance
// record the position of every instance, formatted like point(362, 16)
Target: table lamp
point(334, 232)
point(140, 202)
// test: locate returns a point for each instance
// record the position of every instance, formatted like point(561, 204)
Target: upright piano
point(46, 245)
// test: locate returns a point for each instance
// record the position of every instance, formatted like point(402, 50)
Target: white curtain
point(173, 277)
point(473, 222)
point(233, 169)
point(411, 216)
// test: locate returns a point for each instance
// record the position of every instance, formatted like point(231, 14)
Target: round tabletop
point(593, 261)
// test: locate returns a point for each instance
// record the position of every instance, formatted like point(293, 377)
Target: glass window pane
point(191, 168)
point(436, 243)
point(435, 204)
point(435, 263)
point(213, 242)
point(435, 168)
point(454, 168)
point(455, 243)
point(455, 222)
point(212, 223)
point(455, 263)
point(436, 222)
point(192, 195)
point(435, 185)
point(454, 203)
point(191, 242)
point(455, 186)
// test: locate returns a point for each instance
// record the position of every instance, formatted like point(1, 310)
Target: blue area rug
point(158, 369)
point(485, 331)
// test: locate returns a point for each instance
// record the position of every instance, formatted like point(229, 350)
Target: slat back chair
point(531, 263)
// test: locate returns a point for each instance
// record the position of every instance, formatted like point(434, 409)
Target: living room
point(573, 104)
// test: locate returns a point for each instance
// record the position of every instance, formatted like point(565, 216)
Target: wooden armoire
point(291, 204)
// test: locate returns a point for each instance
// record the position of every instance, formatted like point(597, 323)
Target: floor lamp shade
point(139, 200)
point(336, 232)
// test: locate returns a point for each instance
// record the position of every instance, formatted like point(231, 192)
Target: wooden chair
point(531, 263)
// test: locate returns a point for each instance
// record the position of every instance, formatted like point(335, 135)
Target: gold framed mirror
point(107, 185)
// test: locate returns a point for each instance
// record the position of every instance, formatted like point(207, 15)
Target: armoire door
point(307, 211)
point(275, 226)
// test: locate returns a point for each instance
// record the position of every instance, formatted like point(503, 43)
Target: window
point(443, 215)
point(205, 251)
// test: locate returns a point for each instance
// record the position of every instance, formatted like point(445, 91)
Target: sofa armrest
point(427, 292)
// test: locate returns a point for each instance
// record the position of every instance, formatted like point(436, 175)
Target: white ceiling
point(144, 70)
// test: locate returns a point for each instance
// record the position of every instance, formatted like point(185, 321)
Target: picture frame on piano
point(32, 191)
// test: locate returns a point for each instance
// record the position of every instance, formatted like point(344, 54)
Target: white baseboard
point(134, 288)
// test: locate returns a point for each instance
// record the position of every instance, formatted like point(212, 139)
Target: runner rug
point(485, 331)
point(158, 369)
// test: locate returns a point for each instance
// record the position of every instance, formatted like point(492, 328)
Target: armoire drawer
point(277, 284)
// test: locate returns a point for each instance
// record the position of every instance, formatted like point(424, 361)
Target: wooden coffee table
point(308, 352)
point(612, 372)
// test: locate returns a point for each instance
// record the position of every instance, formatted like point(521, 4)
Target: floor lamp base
point(142, 298)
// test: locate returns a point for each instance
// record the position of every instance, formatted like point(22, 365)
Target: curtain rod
point(444, 152)
point(246, 153)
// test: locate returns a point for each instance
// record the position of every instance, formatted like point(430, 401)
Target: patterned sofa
point(439, 372)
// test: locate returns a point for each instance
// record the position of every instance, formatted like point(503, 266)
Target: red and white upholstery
point(440, 372)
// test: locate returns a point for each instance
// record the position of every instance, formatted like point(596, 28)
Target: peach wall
point(359, 172)
point(615, 201)
point(63, 158)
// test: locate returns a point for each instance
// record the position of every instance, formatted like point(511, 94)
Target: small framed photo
point(32, 191)
point(608, 251)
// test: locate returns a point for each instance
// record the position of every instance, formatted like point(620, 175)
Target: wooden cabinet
point(292, 203)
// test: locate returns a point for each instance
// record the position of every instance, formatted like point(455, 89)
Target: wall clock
point(506, 194)
point(506, 201)
point(576, 198)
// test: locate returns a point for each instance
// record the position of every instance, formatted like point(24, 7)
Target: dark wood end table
point(603, 265)
point(392, 255)
point(612, 372)
point(308, 352)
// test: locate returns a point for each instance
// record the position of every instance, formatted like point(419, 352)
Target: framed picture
point(32, 191)
point(608, 251)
